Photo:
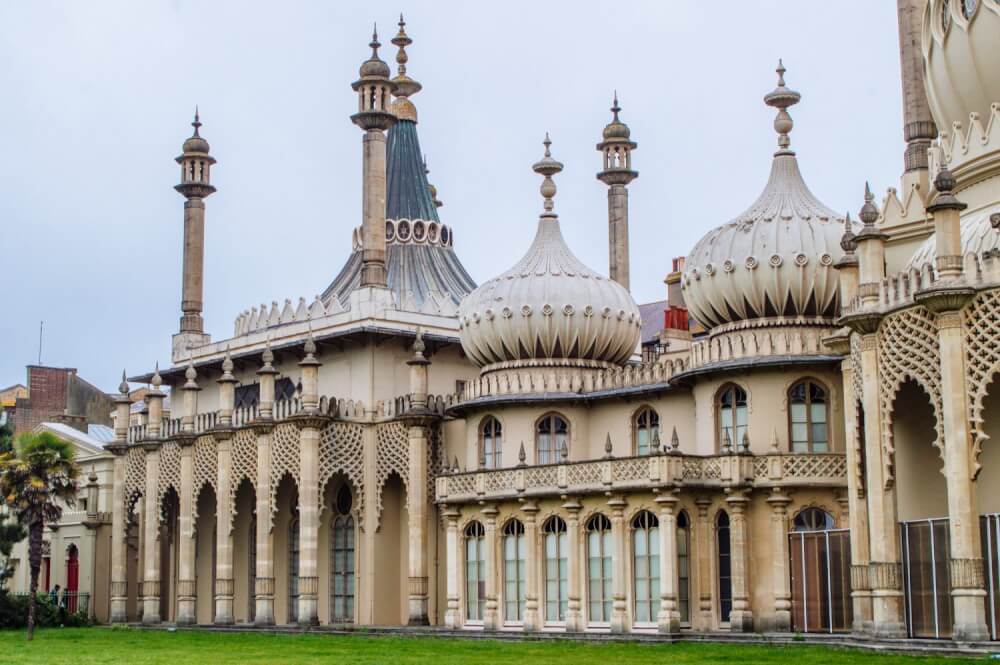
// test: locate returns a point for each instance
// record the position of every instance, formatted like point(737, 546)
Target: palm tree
point(36, 480)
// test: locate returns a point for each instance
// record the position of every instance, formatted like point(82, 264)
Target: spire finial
point(781, 98)
point(848, 242)
point(197, 121)
point(615, 108)
point(157, 380)
point(869, 213)
point(123, 386)
point(402, 40)
point(548, 167)
point(374, 43)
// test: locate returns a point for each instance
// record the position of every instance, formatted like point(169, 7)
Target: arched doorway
point(205, 553)
point(820, 567)
point(342, 557)
point(988, 502)
point(391, 556)
point(72, 578)
point(170, 508)
point(244, 548)
point(922, 509)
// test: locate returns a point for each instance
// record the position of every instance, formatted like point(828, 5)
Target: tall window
point(731, 407)
point(813, 519)
point(646, 566)
point(551, 433)
point(647, 428)
point(342, 559)
point(684, 567)
point(293, 570)
point(599, 547)
point(475, 571)
point(514, 547)
point(725, 566)
point(807, 417)
point(556, 575)
point(490, 443)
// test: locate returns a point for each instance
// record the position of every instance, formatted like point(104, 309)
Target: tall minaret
point(195, 185)
point(918, 124)
point(617, 149)
point(374, 116)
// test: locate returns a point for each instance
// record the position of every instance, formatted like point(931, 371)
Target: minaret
point(195, 185)
point(374, 117)
point(617, 149)
point(918, 124)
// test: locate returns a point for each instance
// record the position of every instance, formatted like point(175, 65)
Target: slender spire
point(615, 108)
point(404, 85)
point(548, 167)
point(197, 121)
point(782, 98)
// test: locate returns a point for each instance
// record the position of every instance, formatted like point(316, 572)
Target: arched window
point(813, 519)
point(599, 548)
point(684, 567)
point(646, 566)
point(514, 553)
point(293, 570)
point(490, 443)
point(551, 434)
point(725, 566)
point(731, 410)
point(807, 417)
point(475, 571)
point(342, 559)
point(647, 428)
point(556, 570)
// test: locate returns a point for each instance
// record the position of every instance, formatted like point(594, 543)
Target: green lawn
point(131, 646)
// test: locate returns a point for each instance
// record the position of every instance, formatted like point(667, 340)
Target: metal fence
point(72, 601)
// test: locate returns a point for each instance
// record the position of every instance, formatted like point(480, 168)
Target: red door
point(72, 577)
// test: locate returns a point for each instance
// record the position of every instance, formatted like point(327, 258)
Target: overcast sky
point(97, 97)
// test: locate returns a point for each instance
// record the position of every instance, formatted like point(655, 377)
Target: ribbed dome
point(962, 70)
point(774, 259)
point(549, 306)
point(195, 144)
point(977, 233)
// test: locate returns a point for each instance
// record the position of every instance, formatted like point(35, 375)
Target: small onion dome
point(616, 129)
point(777, 257)
point(196, 143)
point(979, 234)
point(549, 306)
point(374, 67)
point(961, 68)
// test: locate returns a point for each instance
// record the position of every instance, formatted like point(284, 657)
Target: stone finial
point(309, 348)
point(564, 451)
point(847, 241)
point(655, 444)
point(157, 380)
point(727, 442)
point(227, 364)
point(869, 212)
point(123, 386)
point(268, 355)
point(745, 442)
point(945, 183)
point(608, 447)
point(92, 477)
point(782, 98)
point(547, 167)
point(521, 456)
point(418, 344)
point(774, 441)
point(191, 375)
point(995, 221)
point(675, 442)
point(454, 466)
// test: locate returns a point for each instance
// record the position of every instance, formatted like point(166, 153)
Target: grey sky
point(97, 98)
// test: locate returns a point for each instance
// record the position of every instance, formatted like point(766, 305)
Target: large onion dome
point(775, 259)
point(549, 308)
point(962, 70)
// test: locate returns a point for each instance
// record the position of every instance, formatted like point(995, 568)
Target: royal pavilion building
point(807, 445)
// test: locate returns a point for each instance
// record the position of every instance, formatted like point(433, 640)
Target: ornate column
point(119, 576)
point(532, 621)
point(669, 618)
point(151, 523)
point(857, 512)
point(417, 421)
point(741, 618)
point(224, 510)
point(779, 569)
point(264, 426)
point(186, 589)
point(453, 615)
point(703, 554)
point(491, 613)
point(621, 620)
point(309, 428)
point(574, 617)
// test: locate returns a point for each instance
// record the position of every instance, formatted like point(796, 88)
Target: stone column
point(779, 568)
point(453, 558)
point(918, 124)
point(264, 578)
point(532, 621)
point(618, 234)
point(224, 530)
point(884, 573)
point(704, 556)
point(491, 613)
point(309, 523)
point(741, 618)
point(373, 270)
point(417, 526)
point(151, 523)
point(574, 617)
point(186, 589)
point(620, 615)
point(669, 618)
point(119, 578)
point(861, 596)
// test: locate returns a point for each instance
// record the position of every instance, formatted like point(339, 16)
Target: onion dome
point(979, 232)
point(549, 308)
point(196, 143)
point(616, 129)
point(374, 67)
point(776, 259)
point(962, 71)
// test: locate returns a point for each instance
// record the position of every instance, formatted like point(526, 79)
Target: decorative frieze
point(149, 588)
point(263, 586)
point(308, 586)
point(860, 578)
point(966, 573)
point(885, 575)
point(224, 586)
point(187, 588)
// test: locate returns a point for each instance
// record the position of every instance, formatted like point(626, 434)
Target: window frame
point(554, 453)
point(652, 578)
point(475, 532)
point(343, 523)
point(605, 541)
point(724, 618)
point(514, 528)
point(652, 426)
point(494, 459)
point(683, 524)
point(808, 382)
point(737, 429)
point(555, 527)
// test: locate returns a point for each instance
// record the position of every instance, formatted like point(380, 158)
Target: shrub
point(14, 612)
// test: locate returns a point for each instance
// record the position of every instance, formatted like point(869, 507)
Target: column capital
point(572, 505)
point(966, 573)
point(779, 501)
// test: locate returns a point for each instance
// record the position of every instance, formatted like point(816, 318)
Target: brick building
point(57, 394)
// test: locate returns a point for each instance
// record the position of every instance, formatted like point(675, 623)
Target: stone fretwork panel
point(205, 469)
point(244, 460)
point(284, 459)
point(981, 320)
point(170, 471)
point(135, 475)
point(342, 450)
point(392, 446)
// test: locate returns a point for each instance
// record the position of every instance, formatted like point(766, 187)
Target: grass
point(85, 646)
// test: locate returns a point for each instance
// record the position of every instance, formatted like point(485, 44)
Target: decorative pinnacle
point(745, 442)
point(727, 442)
point(190, 373)
point(781, 98)
point(675, 443)
point(521, 456)
point(227, 365)
point(848, 242)
point(268, 355)
point(869, 213)
point(197, 121)
point(123, 386)
point(615, 108)
point(402, 40)
point(548, 167)
point(157, 380)
point(607, 446)
point(418, 343)
point(564, 451)
point(374, 43)
point(656, 442)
